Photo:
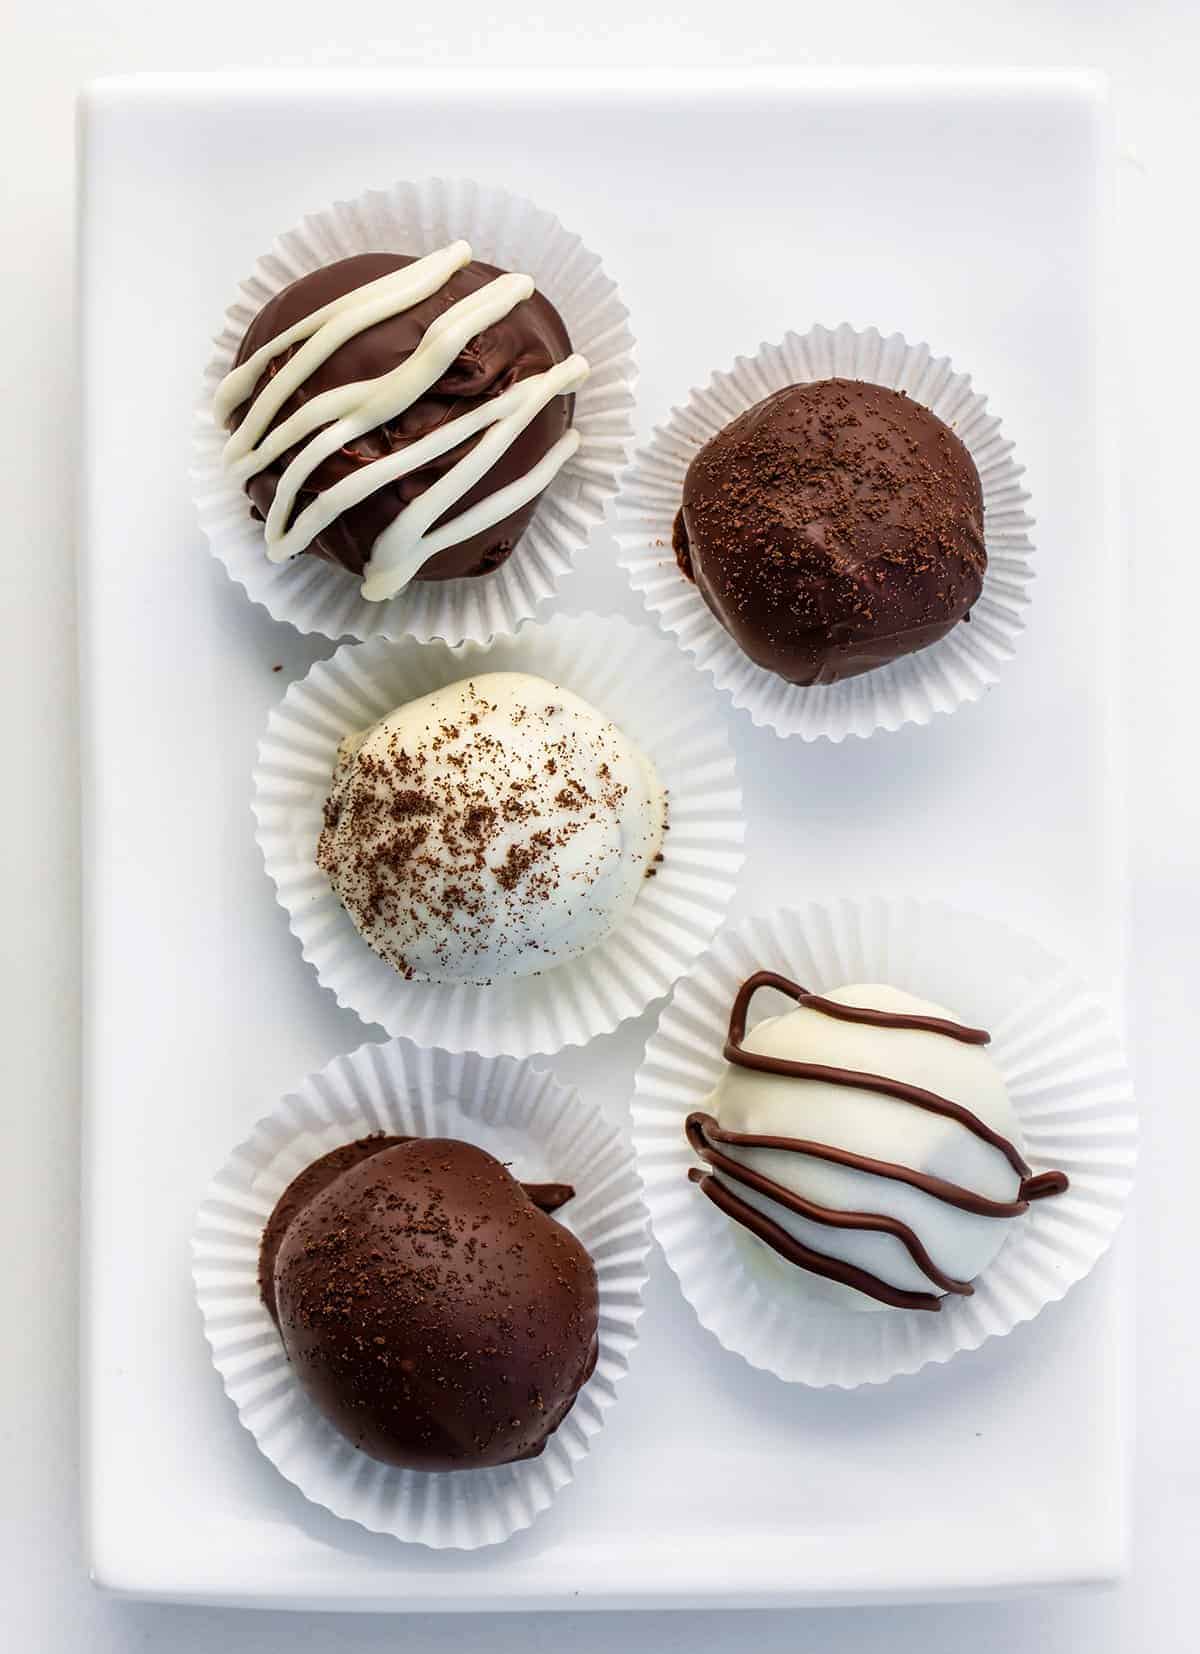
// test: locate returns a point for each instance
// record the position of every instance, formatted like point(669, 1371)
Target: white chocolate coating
point(493, 828)
point(339, 417)
point(870, 1123)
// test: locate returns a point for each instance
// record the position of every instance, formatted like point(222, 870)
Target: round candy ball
point(832, 528)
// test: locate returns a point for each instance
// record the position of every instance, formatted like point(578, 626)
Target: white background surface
point(1151, 53)
point(774, 1499)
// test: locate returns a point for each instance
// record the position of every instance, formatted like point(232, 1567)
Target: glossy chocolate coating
point(832, 528)
point(530, 339)
point(432, 1311)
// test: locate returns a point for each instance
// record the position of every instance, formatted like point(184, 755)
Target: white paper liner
point(505, 230)
point(908, 691)
point(676, 914)
point(1057, 1047)
point(522, 1115)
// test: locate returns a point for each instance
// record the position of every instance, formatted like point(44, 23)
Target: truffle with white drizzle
point(401, 417)
point(493, 828)
point(867, 1139)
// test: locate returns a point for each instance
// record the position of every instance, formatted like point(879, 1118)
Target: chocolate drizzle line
point(794, 1251)
point(704, 1132)
point(950, 1194)
point(846, 1013)
point(1044, 1185)
point(877, 1222)
point(928, 1100)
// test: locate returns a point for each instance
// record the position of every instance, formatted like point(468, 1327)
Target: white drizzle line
point(349, 411)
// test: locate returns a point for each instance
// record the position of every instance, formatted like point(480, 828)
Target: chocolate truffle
point(400, 417)
point(832, 528)
point(866, 1139)
point(493, 828)
point(430, 1307)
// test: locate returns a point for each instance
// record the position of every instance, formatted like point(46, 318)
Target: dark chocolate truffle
point(428, 1304)
point(528, 340)
point(832, 528)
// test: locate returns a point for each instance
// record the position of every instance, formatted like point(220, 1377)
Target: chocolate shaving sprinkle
point(498, 828)
point(832, 528)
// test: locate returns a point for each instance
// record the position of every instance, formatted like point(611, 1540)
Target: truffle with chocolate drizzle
point(867, 1138)
point(400, 417)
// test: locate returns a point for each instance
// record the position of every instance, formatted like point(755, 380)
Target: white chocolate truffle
point(918, 1241)
point(494, 828)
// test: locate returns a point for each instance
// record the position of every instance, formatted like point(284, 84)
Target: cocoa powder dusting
point(427, 1303)
point(833, 527)
point(456, 843)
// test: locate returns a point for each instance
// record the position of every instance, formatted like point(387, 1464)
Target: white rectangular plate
point(963, 212)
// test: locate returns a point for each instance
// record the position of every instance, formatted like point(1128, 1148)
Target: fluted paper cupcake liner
point(676, 913)
point(911, 690)
point(514, 234)
point(1059, 1053)
point(545, 1133)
